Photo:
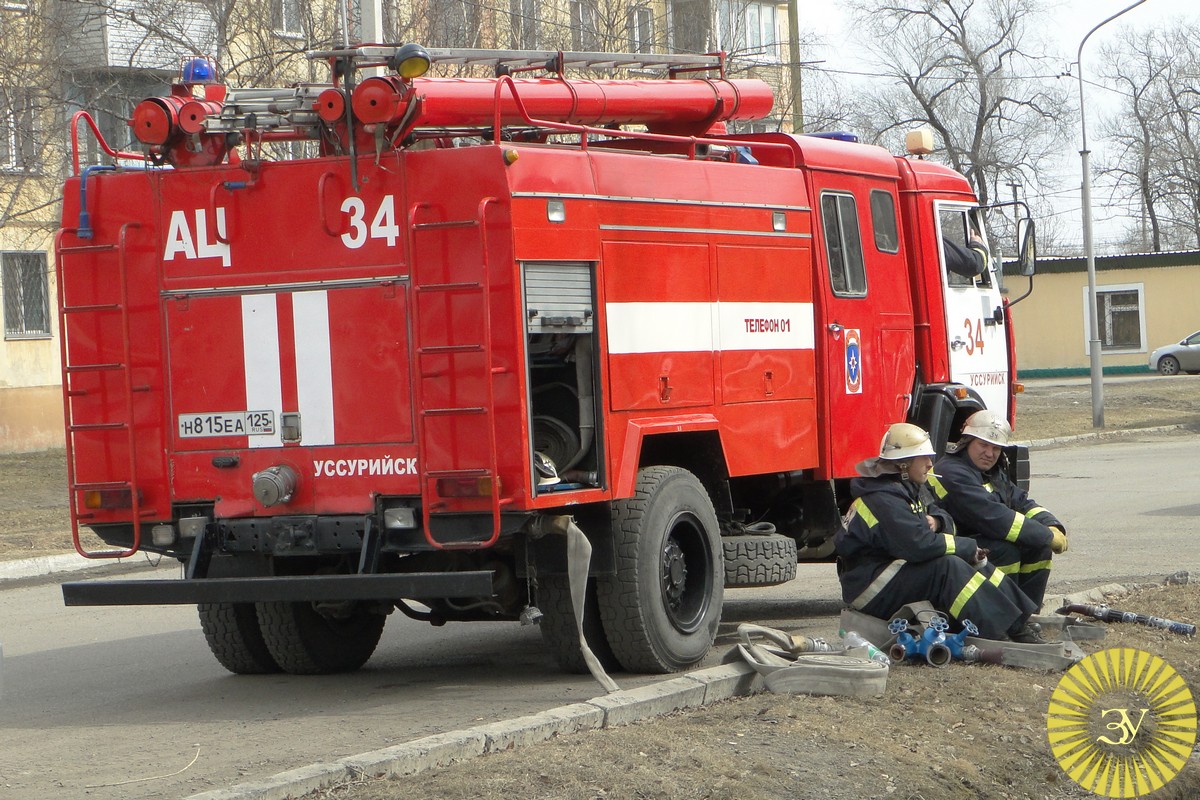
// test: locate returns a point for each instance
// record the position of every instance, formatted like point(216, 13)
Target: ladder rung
point(99, 426)
point(102, 485)
point(97, 307)
point(442, 412)
point(87, 248)
point(450, 223)
point(465, 472)
point(93, 367)
point(449, 348)
point(449, 287)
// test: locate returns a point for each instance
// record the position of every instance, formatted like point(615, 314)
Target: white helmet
point(547, 473)
point(988, 426)
point(903, 441)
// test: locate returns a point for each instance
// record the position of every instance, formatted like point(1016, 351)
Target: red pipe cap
point(378, 100)
point(154, 120)
point(331, 105)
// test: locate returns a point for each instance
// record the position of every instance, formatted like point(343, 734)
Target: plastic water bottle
point(856, 641)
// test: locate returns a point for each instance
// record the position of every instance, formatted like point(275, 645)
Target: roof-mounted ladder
point(517, 59)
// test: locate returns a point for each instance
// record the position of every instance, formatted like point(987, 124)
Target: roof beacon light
point(410, 61)
point(199, 70)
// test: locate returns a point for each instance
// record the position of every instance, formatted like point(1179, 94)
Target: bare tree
point(966, 68)
point(1156, 163)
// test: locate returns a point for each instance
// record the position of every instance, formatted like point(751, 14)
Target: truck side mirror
point(1027, 247)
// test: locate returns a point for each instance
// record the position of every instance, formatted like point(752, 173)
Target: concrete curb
point(47, 565)
point(692, 690)
point(1084, 437)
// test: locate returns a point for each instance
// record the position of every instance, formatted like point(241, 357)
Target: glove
point(1059, 543)
point(981, 560)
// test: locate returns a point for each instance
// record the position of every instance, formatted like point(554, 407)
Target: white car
point(1175, 358)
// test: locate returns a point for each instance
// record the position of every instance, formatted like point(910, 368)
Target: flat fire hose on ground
point(579, 559)
point(806, 665)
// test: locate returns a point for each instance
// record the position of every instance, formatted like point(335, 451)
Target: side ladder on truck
point(445, 432)
point(106, 416)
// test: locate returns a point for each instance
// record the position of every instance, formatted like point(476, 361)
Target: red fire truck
point(374, 345)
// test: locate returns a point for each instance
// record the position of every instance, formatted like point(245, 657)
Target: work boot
point(1029, 633)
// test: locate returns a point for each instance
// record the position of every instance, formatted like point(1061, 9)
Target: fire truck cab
point(483, 326)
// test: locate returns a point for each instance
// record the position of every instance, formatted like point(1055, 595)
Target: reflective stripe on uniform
point(936, 485)
point(966, 594)
point(1014, 530)
point(1033, 512)
point(997, 577)
point(881, 580)
point(1009, 569)
point(859, 507)
point(1034, 566)
point(988, 486)
point(949, 543)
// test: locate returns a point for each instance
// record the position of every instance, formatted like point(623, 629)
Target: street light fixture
point(1088, 250)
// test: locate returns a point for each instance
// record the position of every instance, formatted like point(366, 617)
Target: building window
point(747, 29)
point(843, 245)
point(585, 25)
point(641, 30)
point(18, 137)
point(1122, 325)
point(288, 19)
point(26, 296)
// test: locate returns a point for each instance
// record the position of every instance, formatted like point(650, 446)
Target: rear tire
point(1168, 365)
point(235, 639)
point(558, 625)
point(662, 607)
point(305, 642)
point(754, 560)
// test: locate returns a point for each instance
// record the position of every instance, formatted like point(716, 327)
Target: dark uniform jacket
point(988, 504)
point(887, 523)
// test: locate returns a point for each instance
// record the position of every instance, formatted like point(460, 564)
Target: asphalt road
point(107, 702)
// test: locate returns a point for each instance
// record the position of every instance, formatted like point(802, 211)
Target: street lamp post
point(1088, 250)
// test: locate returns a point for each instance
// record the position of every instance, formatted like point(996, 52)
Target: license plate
point(227, 423)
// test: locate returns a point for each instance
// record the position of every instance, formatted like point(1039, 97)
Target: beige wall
point(30, 379)
point(1050, 325)
point(31, 419)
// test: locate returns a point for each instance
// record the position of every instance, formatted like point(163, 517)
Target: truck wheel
point(661, 608)
point(233, 636)
point(759, 560)
point(558, 625)
point(305, 642)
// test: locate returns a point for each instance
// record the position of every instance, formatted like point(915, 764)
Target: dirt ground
point(962, 731)
point(965, 731)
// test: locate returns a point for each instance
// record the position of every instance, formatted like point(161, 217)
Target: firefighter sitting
point(973, 485)
point(898, 549)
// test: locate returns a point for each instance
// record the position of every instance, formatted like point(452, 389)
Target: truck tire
point(759, 560)
point(305, 642)
point(661, 607)
point(233, 636)
point(558, 625)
